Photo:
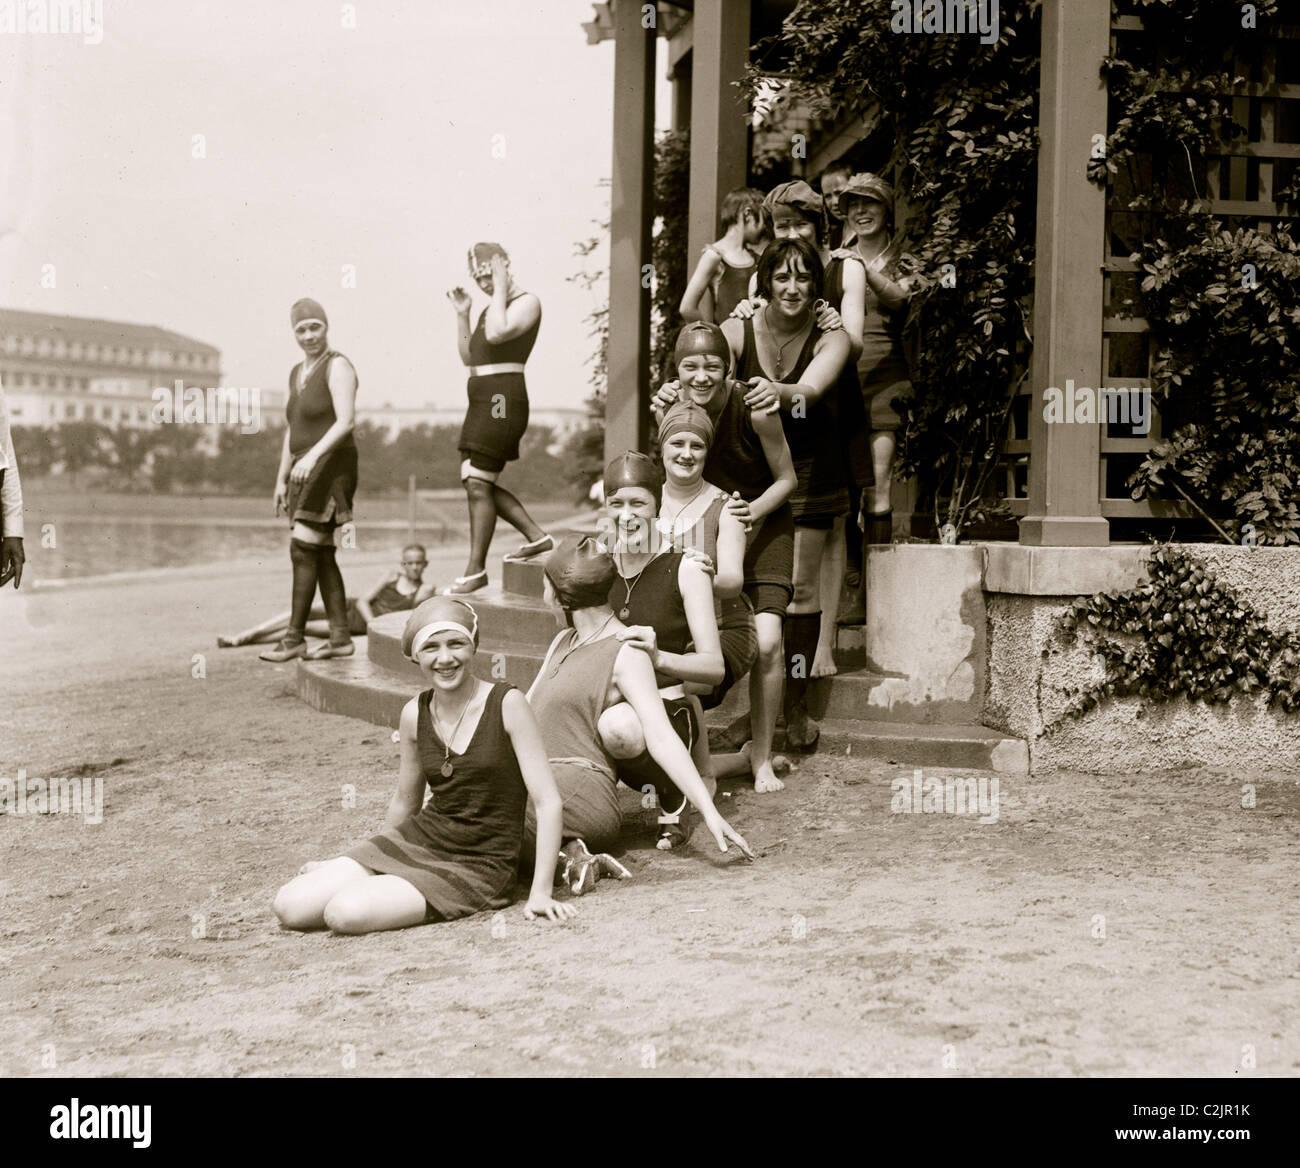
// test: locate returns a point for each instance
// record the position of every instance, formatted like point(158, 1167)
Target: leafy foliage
point(1182, 633)
point(1223, 305)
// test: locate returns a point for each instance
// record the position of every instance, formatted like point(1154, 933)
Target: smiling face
point(632, 511)
point(701, 374)
point(684, 454)
point(790, 223)
point(865, 216)
point(792, 287)
point(445, 659)
point(312, 337)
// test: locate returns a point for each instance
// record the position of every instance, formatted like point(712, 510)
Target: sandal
point(327, 649)
point(285, 651)
point(526, 552)
point(464, 584)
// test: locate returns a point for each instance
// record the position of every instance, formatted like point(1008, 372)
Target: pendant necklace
point(673, 533)
point(626, 610)
point(585, 641)
point(446, 769)
point(780, 349)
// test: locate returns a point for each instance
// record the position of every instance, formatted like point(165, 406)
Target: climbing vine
point(1181, 633)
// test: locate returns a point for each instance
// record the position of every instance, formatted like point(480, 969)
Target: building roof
point(13, 320)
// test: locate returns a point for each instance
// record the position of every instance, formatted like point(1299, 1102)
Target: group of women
point(717, 560)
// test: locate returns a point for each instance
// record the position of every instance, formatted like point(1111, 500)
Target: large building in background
point(58, 369)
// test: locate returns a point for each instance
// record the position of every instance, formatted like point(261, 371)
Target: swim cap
point(581, 572)
point(634, 469)
point(686, 415)
point(436, 615)
point(868, 186)
point(307, 309)
point(797, 194)
point(701, 337)
point(480, 258)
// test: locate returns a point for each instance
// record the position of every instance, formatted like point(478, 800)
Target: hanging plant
point(1181, 633)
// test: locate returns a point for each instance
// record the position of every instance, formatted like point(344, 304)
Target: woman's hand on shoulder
point(666, 396)
point(828, 320)
point(762, 396)
point(549, 907)
point(641, 637)
point(747, 307)
point(698, 559)
point(738, 509)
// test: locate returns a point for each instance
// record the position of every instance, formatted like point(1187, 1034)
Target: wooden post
point(1064, 470)
point(627, 403)
point(719, 117)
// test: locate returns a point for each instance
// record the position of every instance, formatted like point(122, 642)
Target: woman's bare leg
point(300, 904)
point(834, 556)
point(375, 904)
point(766, 681)
point(512, 511)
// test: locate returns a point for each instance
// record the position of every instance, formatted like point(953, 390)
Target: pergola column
point(1064, 470)
point(627, 403)
point(719, 116)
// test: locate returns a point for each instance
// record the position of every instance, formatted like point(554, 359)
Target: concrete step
point(508, 624)
point(356, 688)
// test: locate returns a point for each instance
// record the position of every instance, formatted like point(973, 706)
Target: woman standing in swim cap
point(750, 459)
point(476, 747)
point(495, 352)
point(316, 481)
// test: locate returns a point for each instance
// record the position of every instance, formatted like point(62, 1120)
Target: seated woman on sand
point(588, 670)
point(476, 746)
point(399, 591)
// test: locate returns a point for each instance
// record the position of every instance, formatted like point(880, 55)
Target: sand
point(1101, 926)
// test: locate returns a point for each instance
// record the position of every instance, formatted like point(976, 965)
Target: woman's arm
point(830, 355)
point(890, 293)
point(779, 460)
point(853, 306)
point(364, 602)
point(530, 751)
point(503, 321)
point(343, 393)
point(730, 577)
point(692, 306)
point(463, 331)
point(705, 663)
point(282, 474)
point(634, 678)
point(408, 798)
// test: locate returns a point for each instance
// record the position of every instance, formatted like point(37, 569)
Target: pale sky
point(325, 146)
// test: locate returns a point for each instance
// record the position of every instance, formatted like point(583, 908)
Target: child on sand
point(722, 276)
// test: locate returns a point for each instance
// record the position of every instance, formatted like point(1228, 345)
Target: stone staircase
point(860, 711)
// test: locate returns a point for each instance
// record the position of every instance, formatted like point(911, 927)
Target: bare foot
point(765, 781)
point(823, 663)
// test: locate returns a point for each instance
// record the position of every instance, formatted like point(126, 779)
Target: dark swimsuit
point(461, 849)
point(736, 462)
point(498, 403)
point(820, 494)
point(325, 499)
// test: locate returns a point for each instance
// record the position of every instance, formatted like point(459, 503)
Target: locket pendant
point(447, 768)
point(624, 613)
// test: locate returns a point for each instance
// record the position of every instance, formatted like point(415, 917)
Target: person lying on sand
point(400, 590)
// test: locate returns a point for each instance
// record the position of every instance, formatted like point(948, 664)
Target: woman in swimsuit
point(495, 351)
point(476, 746)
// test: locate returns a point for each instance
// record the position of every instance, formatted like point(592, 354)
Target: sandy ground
point(1101, 926)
